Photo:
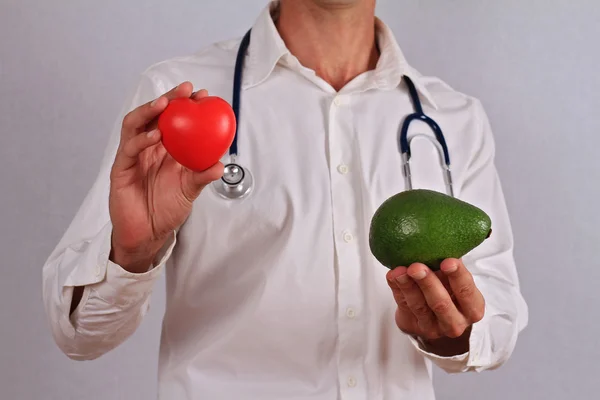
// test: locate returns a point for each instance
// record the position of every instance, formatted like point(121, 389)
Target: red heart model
point(197, 133)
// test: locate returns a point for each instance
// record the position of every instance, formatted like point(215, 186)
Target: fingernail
point(402, 279)
point(419, 275)
point(155, 102)
point(152, 133)
point(451, 269)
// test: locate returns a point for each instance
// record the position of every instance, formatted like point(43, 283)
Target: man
point(277, 296)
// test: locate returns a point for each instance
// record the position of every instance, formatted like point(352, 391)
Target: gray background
point(65, 68)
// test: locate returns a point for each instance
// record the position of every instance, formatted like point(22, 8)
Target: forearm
point(93, 304)
point(109, 312)
point(133, 262)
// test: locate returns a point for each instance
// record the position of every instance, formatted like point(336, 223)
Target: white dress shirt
point(277, 296)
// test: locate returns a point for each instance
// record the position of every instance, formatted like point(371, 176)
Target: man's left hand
point(438, 307)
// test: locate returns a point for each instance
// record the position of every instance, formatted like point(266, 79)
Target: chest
point(314, 155)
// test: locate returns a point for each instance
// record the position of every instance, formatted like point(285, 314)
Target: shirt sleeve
point(492, 264)
point(114, 300)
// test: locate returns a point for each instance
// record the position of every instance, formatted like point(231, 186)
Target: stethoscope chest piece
point(236, 183)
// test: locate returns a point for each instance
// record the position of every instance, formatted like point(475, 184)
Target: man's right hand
point(151, 194)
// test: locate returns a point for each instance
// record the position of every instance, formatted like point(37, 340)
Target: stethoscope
point(237, 182)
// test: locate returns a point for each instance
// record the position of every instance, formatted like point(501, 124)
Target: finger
point(396, 291)
point(405, 319)
point(136, 121)
point(468, 296)
point(418, 305)
point(128, 156)
point(444, 279)
point(451, 321)
point(184, 89)
point(153, 124)
point(195, 182)
point(199, 94)
point(407, 322)
point(139, 143)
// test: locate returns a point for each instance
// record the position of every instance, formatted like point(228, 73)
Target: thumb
point(209, 175)
point(195, 182)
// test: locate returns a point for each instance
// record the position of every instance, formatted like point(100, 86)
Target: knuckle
point(442, 306)
point(129, 147)
point(477, 314)
point(427, 325)
point(465, 291)
point(454, 331)
point(402, 303)
point(432, 334)
point(401, 321)
point(116, 175)
point(427, 283)
point(421, 310)
point(128, 120)
point(113, 174)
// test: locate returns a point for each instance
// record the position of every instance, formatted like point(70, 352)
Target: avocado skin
point(427, 227)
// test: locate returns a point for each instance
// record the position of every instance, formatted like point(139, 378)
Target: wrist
point(136, 260)
point(447, 346)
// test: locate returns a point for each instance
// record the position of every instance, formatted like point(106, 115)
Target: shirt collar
point(267, 48)
point(392, 65)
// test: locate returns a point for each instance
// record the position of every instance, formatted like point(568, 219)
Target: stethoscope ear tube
point(237, 182)
point(446, 168)
point(237, 89)
point(440, 142)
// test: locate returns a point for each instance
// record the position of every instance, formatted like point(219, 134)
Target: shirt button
point(351, 381)
point(350, 313)
point(348, 237)
point(342, 169)
point(339, 100)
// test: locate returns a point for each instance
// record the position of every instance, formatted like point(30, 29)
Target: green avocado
point(427, 227)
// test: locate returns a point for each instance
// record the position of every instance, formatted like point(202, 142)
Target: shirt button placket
point(345, 202)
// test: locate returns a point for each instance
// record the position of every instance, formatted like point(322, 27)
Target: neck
point(337, 42)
